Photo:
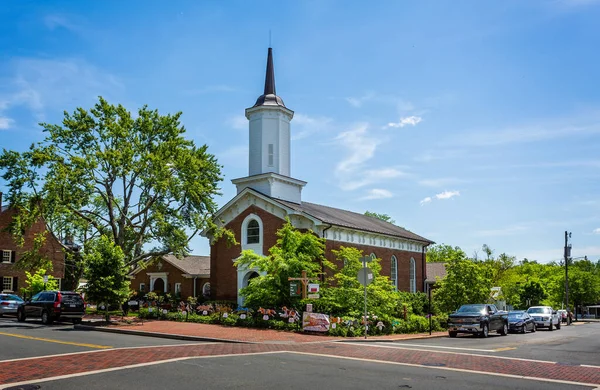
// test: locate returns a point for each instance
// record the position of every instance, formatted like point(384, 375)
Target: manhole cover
point(434, 364)
point(23, 387)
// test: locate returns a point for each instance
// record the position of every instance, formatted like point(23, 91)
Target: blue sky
point(467, 122)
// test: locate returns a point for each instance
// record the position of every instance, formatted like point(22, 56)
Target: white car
point(545, 317)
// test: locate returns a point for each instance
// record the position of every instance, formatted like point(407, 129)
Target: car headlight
point(519, 323)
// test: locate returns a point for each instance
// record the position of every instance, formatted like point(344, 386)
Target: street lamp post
point(567, 255)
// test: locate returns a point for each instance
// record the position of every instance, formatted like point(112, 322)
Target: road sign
point(365, 276)
point(313, 296)
point(313, 288)
point(45, 279)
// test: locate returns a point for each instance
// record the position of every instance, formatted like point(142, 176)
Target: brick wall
point(51, 248)
point(174, 275)
point(224, 274)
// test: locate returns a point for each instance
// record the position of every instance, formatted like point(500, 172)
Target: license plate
point(462, 329)
point(72, 305)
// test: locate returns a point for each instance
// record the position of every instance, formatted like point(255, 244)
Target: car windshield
point(10, 297)
point(516, 315)
point(471, 309)
point(542, 310)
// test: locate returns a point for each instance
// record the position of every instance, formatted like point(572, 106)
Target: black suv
point(53, 305)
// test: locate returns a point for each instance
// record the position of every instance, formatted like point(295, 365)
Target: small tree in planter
point(106, 273)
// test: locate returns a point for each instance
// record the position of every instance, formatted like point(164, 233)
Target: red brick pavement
point(248, 335)
point(40, 368)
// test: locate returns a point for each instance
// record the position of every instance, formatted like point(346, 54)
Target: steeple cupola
point(269, 144)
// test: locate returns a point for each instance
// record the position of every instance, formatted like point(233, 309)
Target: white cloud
point(447, 194)
point(377, 193)
point(409, 120)
point(305, 125)
point(596, 231)
point(358, 102)
point(5, 123)
point(238, 122)
point(425, 200)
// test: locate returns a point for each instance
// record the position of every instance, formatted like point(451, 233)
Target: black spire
point(269, 97)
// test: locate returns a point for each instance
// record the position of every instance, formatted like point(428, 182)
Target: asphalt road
point(31, 338)
point(292, 371)
point(575, 344)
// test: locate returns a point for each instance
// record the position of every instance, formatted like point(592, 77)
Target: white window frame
point(256, 247)
point(271, 153)
point(4, 284)
point(257, 236)
point(177, 288)
point(144, 287)
point(6, 254)
point(413, 275)
point(394, 272)
point(59, 283)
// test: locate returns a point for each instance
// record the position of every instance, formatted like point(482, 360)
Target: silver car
point(9, 303)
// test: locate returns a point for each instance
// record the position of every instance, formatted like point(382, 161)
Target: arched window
point(394, 272)
point(253, 232)
point(413, 276)
point(206, 290)
point(373, 257)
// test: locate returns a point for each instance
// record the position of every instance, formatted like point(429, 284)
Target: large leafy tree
point(294, 252)
point(132, 178)
point(383, 217)
point(466, 281)
point(105, 272)
point(441, 253)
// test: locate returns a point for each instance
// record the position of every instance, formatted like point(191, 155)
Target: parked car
point(544, 317)
point(478, 319)
point(563, 315)
point(9, 303)
point(53, 306)
point(520, 321)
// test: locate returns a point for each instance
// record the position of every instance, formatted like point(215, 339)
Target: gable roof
point(189, 265)
point(435, 271)
point(352, 220)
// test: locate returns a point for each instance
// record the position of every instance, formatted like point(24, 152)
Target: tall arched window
point(413, 276)
point(373, 257)
point(253, 232)
point(394, 272)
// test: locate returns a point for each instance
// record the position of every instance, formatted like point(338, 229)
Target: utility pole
point(567, 255)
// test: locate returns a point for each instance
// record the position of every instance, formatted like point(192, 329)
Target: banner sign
point(295, 289)
point(315, 322)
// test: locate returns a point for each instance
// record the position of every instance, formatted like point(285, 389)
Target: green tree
point(106, 273)
point(293, 253)
point(532, 294)
point(35, 283)
point(134, 179)
point(383, 217)
point(466, 281)
point(440, 253)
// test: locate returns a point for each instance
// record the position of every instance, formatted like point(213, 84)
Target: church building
point(269, 194)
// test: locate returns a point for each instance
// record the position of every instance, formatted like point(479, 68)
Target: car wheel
point(551, 327)
point(523, 329)
point(485, 331)
point(21, 316)
point(504, 330)
point(452, 334)
point(46, 320)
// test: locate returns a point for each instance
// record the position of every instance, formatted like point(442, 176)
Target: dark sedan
point(520, 321)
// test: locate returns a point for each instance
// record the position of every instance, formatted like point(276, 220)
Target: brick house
point(13, 279)
point(168, 274)
point(269, 194)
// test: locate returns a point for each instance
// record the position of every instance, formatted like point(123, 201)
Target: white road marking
point(59, 377)
point(101, 350)
point(594, 385)
point(439, 346)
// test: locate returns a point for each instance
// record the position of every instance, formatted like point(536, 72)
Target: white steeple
point(269, 145)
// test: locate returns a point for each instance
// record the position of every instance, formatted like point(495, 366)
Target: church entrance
point(159, 285)
point(249, 277)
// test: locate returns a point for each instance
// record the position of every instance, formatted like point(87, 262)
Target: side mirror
point(554, 312)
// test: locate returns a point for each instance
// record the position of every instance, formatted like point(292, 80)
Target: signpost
point(304, 280)
point(45, 281)
point(365, 277)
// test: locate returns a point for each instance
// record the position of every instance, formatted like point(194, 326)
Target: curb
point(156, 334)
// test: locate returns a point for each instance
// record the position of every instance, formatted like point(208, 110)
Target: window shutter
point(13, 256)
point(16, 284)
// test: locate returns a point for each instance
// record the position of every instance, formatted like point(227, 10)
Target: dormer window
point(253, 232)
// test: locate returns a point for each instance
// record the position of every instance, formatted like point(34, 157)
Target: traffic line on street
point(56, 341)
point(59, 377)
point(504, 349)
point(444, 347)
point(539, 379)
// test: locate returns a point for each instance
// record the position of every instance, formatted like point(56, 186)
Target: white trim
point(256, 247)
point(394, 271)
point(376, 240)
point(140, 287)
point(154, 276)
point(12, 280)
point(177, 290)
point(412, 275)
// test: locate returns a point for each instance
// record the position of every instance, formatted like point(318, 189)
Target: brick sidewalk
point(250, 335)
point(35, 369)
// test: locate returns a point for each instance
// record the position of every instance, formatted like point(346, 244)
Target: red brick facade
point(223, 274)
point(174, 275)
point(52, 249)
